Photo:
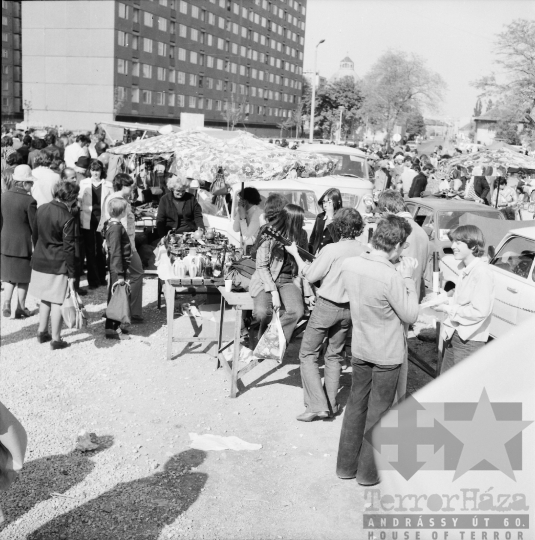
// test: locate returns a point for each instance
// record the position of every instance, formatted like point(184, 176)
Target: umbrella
point(243, 156)
point(501, 158)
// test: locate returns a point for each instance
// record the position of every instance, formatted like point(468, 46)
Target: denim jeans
point(332, 321)
point(372, 393)
point(458, 349)
point(292, 308)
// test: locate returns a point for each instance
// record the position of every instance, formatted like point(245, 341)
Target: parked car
point(513, 265)
point(356, 192)
point(438, 216)
point(221, 219)
point(351, 161)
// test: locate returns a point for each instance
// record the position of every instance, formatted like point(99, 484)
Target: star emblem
point(484, 438)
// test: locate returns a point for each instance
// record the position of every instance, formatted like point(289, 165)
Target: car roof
point(337, 181)
point(526, 232)
point(450, 205)
point(331, 149)
point(275, 185)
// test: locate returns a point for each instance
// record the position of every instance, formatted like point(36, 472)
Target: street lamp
point(341, 109)
point(313, 101)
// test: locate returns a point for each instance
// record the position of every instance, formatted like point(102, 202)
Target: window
point(148, 18)
point(161, 74)
point(193, 57)
point(192, 102)
point(162, 24)
point(182, 54)
point(209, 83)
point(159, 98)
point(243, 70)
point(244, 32)
point(147, 97)
point(181, 100)
point(271, 78)
point(243, 51)
point(253, 91)
point(254, 73)
point(195, 12)
point(242, 89)
point(233, 67)
point(201, 79)
point(5, 70)
point(235, 29)
point(200, 103)
point(172, 76)
point(219, 85)
point(135, 69)
point(209, 104)
point(192, 79)
point(162, 49)
point(163, 3)
point(4, 20)
point(516, 256)
point(220, 43)
point(183, 7)
point(181, 77)
point(262, 40)
point(194, 34)
point(122, 66)
point(263, 22)
point(220, 64)
point(172, 51)
point(122, 39)
point(123, 12)
point(135, 95)
point(210, 61)
point(120, 93)
point(255, 56)
point(221, 22)
point(147, 71)
point(260, 92)
point(209, 40)
point(171, 100)
point(136, 17)
point(234, 48)
point(261, 75)
point(135, 43)
point(147, 45)
point(277, 96)
point(217, 105)
point(211, 18)
point(5, 53)
point(182, 30)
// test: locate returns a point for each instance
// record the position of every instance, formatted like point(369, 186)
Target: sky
point(455, 37)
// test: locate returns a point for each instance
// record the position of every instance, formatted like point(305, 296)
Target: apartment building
point(236, 62)
point(11, 62)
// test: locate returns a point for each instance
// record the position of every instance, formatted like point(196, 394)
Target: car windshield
point(303, 198)
point(516, 256)
point(448, 221)
point(350, 165)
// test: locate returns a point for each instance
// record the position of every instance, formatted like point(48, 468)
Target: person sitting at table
point(331, 318)
point(273, 285)
point(247, 220)
point(178, 209)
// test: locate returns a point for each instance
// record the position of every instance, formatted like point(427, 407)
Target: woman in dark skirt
point(18, 211)
point(53, 261)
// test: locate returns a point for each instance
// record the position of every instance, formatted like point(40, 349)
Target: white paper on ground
point(217, 442)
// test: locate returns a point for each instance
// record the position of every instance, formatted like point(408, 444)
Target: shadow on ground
point(134, 510)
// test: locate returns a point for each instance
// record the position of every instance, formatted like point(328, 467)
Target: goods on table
point(197, 254)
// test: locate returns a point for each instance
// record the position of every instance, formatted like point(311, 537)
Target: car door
point(514, 275)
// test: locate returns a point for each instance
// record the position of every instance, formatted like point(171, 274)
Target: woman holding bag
point(53, 261)
point(274, 284)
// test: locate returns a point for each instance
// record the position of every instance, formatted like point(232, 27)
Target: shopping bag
point(272, 344)
point(68, 310)
point(119, 306)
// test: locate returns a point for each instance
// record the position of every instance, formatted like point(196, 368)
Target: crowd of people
point(66, 206)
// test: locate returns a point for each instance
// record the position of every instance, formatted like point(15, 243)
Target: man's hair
point(117, 206)
point(348, 223)
point(56, 163)
point(50, 139)
point(38, 144)
point(27, 141)
point(274, 204)
point(391, 231)
point(471, 236)
point(66, 191)
point(83, 139)
point(42, 159)
point(408, 159)
point(391, 201)
point(100, 147)
point(121, 180)
point(428, 167)
point(14, 159)
point(251, 195)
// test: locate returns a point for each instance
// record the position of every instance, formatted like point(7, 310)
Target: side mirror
point(491, 251)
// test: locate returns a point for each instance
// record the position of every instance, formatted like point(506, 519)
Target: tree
point(343, 92)
point(397, 83)
point(478, 109)
point(415, 125)
point(508, 132)
point(490, 104)
point(233, 112)
point(514, 94)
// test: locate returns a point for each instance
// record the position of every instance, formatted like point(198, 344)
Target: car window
point(447, 221)
point(211, 207)
point(353, 165)
point(516, 256)
point(303, 198)
point(350, 200)
point(422, 214)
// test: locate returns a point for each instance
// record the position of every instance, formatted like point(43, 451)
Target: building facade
point(11, 61)
point(238, 63)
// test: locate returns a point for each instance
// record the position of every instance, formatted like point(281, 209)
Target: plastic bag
point(272, 344)
point(119, 306)
point(68, 311)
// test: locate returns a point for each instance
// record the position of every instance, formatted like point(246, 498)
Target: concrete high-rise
point(87, 61)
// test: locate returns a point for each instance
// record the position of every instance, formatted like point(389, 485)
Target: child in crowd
point(119, 255)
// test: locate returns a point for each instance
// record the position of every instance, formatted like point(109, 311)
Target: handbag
point(81, 313)
point(68, 310)
point(272, 345)
point(119, 305)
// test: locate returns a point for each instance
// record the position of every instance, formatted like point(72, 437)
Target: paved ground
point(145, 482)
